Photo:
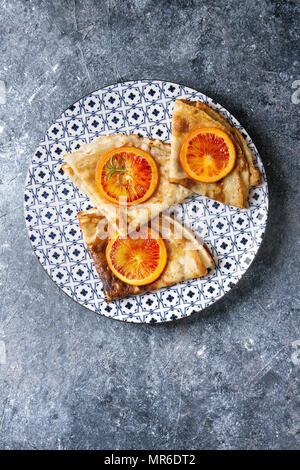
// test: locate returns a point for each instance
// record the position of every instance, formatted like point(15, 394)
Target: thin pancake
point(234, 188)
point(81, 167)
point(187, 257)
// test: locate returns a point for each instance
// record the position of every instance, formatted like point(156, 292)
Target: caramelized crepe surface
point(234, 188)
point(188, 258)
point(81, 167)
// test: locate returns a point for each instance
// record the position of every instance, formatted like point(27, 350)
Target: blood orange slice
point(137, 261)
point(127, 176)
point(207, 154)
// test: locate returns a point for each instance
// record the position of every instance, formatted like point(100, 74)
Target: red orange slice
point(137, 261)
point(127, 176)
point(207, 154)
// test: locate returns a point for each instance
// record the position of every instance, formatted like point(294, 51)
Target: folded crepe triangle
point(234, 188)
point(81, 166)
point(187, 258)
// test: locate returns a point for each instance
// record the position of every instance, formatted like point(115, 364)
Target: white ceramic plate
point(51, 203)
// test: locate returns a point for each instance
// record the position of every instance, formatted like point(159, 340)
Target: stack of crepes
point(131, 180)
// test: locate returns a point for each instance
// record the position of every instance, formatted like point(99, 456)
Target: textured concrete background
point(224, 379)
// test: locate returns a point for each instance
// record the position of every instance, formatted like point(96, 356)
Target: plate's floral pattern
point(51, 202)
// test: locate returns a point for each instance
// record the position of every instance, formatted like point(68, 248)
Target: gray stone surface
point(224, 379)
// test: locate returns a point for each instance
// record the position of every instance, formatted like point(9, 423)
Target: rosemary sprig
point(118, 168)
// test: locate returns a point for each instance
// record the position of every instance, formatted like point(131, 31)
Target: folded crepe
point(81, 167)
point(234, 188)
point(187, 258)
